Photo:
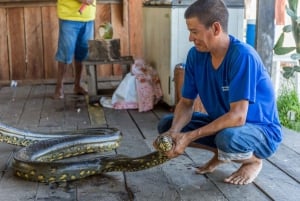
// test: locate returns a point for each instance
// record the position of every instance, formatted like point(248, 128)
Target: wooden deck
point(31, 107)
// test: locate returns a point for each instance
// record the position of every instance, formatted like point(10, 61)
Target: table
point(91, 69)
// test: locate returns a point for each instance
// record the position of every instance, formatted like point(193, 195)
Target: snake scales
point(43, 157)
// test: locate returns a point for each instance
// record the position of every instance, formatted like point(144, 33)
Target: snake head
point(164, 143)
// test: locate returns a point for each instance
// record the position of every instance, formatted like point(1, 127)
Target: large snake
point(43, 157)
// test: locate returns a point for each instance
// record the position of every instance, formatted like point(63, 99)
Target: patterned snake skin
point(48, 157)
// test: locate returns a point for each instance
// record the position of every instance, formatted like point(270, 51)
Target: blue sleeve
point(243, 76)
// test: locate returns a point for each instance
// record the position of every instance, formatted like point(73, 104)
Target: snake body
point(44, 157)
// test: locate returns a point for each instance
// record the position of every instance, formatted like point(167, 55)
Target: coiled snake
point(43, 157)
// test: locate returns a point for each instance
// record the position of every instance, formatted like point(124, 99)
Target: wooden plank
point(16, 41)
point(120, 31)
point(76, 112)
point(277, 184)
point(103, 15)
point(50, 38)
point(33, 106)
point(108, 186)
point(6, 94)
point(34, 43)
point(15, 189)
point(52, 115)
point(12, 109)
point(142, 184)
point(54, 192)
point(135, 27)
point(96, 114)
point(287, 160)
point(178, 170)
point(4, 65)
point(6, 151)
point(291, 139)
point(119, 20)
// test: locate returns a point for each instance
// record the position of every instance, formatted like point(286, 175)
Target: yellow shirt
point(69, 10)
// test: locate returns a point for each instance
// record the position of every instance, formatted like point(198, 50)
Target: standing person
point(241, 124)
point(76, 27)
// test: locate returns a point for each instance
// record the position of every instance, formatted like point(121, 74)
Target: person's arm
point(182, 114)
point(235, 117)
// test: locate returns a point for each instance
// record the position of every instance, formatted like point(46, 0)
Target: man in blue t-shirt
point(241, 124)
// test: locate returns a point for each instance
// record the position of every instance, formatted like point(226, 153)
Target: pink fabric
point(147, 86)
point(125, 105)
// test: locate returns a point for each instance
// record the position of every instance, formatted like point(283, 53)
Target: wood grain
point(4, 62)
point(50, 37)
point(34, 43)
point(16, 41)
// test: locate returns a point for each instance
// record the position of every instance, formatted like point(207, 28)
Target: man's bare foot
point(80, 91)
point(245, 174)
point(210, 166)
point(58, 94)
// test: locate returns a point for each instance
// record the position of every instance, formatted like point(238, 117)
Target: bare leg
point(212, 164)
point(248, 171)
point(61, 71)
point(246, 174)
point(78, 72)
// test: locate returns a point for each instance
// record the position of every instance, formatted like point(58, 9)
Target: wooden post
point(265, 28)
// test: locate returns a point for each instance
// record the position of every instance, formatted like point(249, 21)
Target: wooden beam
point(265, 28)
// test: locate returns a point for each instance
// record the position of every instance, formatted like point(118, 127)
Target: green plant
point(289, 109)
point(294, 27)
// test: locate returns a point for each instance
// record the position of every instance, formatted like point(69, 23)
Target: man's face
point(200, 35)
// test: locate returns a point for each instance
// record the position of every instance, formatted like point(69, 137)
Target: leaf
point(295, 56)
point(283, 50)
point(293, 4)
point(287, 68)
point(297, 68)
point(279, 42)
point(279, 49)
point(288, 75)
point(288, 72)
point(291, 13)
point(287, 28)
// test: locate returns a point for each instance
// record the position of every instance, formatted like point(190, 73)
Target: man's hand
point(88, 2)
point(180, 142)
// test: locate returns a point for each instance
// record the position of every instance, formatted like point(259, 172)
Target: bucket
point(250, 33)
point(178, 79)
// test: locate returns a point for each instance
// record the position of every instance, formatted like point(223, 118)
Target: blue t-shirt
point(241, 76)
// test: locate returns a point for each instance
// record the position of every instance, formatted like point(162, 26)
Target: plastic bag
point(125, 96)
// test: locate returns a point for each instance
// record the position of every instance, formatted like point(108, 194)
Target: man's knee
point(227, 140)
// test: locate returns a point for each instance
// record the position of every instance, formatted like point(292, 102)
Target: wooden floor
point(31, 107)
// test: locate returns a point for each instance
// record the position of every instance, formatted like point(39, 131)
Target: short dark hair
point(208, 12)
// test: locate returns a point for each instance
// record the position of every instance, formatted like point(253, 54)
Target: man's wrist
point(172, 131)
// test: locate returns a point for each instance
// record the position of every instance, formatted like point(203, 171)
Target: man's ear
point(217, 28)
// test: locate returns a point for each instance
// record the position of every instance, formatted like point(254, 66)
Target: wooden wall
point(29, 32)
